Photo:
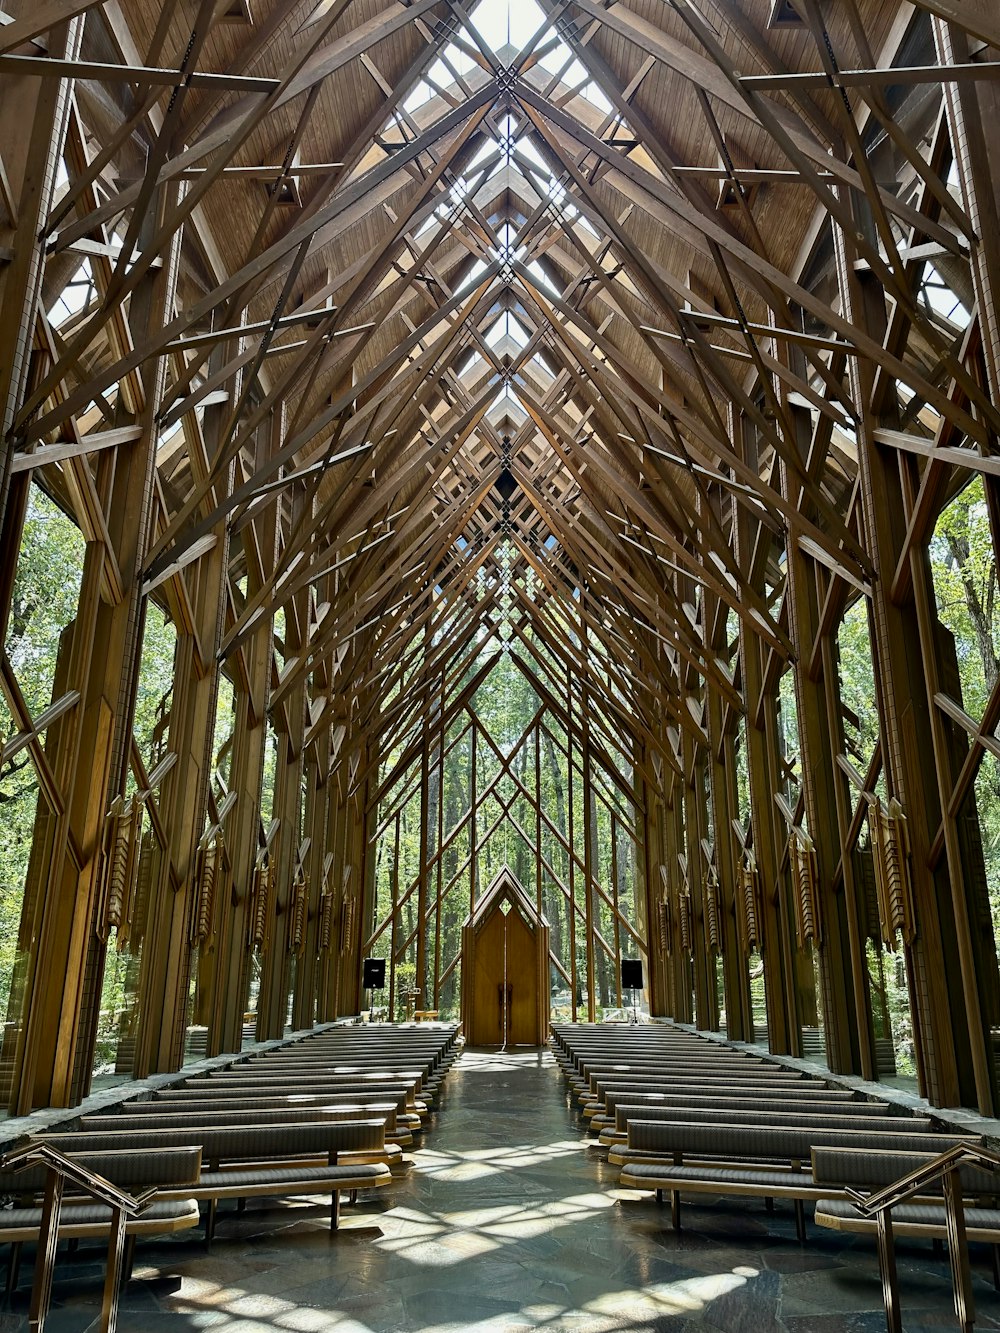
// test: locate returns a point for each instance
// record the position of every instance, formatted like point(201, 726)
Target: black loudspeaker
point(631, 974)
point(373, 976)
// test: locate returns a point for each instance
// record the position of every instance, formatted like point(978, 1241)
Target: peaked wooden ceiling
point(457, 311)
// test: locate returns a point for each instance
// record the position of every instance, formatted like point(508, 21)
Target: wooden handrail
point(945, 1167)
point(61, 1168)
point(916, 1181)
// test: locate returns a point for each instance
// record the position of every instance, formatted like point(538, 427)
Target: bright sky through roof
point(507, 22)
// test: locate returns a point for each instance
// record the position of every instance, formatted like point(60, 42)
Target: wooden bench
point(924, 1216)
point(778, 1110)
point(258, 1075)
point(750, 1160)
point(875, 1168)
point(712, 1087)
point(256, 1161)
point(623, 1153)
point(81, 1218)
point(395, 1140)
point(237, 1106)
point(200, 1089)
point(603, 1115)
point(609, 1096)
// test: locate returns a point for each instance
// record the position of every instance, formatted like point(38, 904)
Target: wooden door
point(505, 981)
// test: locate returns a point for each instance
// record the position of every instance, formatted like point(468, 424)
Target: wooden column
point(89, 753)
point(837, 941)
point(941, 1020)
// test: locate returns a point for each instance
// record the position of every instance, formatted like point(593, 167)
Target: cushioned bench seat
point(80, 1221)
point(776, 1158)
point(288, 1182)
point(84, 1218)
point(298, 1158)
point(926, 1220)
point(925, 1216)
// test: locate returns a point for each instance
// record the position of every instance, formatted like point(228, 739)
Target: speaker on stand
point(373, 979)
point(632, 980)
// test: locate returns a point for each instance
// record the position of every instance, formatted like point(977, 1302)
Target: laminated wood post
point(420, 980)
point(328, 1005)
point(672, 879)
point(276, 969)
point(438, 854)
point(706, 1015)
point(167, 955)
point(251, 685)
point(855, 913)
point(841, 953)
point(762, 762)
point(304, 999)
point(949, 1031)
point(89, 753)
point(735, 970)
point(647, 889)
point(589, 903)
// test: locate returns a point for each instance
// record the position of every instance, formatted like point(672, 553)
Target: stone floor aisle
point(511, 1222)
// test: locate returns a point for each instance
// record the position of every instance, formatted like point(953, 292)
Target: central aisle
point(509, 1222)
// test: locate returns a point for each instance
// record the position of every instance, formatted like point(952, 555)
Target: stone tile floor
point(510, 1221)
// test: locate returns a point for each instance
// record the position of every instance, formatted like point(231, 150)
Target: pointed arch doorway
point(505, 964)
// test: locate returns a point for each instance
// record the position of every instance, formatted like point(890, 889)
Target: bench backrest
point(219, 1119)
point(642, 1088)
point(235, 1100)
point(780, 1119)
point(588, 1063)
point(746, 1141)
point(876, 1168)
point(211, 1089)
point(233, 1143)
point(130, 1169)
point(322, 1074)
point(719, 1101)
point(627, 1108)
point(724, 1078)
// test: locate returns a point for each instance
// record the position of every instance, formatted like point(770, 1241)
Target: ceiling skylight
point(503, 23)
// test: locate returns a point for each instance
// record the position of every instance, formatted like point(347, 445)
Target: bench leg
point(769, 1205)
point(335, 1211)
point(213, 1207)
point(995, 1257)
point(887, 1270)
point(800, 1221)
point(675, 1209)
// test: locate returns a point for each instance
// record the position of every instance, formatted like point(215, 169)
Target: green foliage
point(46, 592)
point(964, 569)
point(155, 685)
point(528, 823)
point(857, 685)
point(965, 584)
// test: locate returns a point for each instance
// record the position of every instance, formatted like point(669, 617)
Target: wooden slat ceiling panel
point(608, 251)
